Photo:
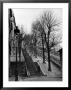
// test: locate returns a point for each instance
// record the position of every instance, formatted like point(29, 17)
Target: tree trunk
point(43, 49)
point(49, 65)
point(35, 47)
point(48, 49)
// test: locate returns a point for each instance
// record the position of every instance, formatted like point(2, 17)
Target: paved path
point(41, 78)
point(32, 67)
point(56, 72)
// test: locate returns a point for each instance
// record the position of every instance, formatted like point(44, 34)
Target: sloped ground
point(56, 72)
point(22, 72)
point(54, 75)
point(38, 71)
point(25, 68)
point(31, 66)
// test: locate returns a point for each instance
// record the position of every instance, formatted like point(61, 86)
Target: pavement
point(54, 75)
point(41, 78)
point(55, 71)
point(37, 78)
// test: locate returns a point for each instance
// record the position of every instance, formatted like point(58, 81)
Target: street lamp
point(16, 32)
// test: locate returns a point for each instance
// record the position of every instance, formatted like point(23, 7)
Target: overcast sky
point(26, 16)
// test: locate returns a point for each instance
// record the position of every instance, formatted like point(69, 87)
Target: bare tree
point(55, 39)
point(37, 27)
point(49, 23)
point(34, 39)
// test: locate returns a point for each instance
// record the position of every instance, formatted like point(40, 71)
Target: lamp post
point(16, 69)
point(16, 32)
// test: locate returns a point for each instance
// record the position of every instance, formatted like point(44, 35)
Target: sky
point(26, 16)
